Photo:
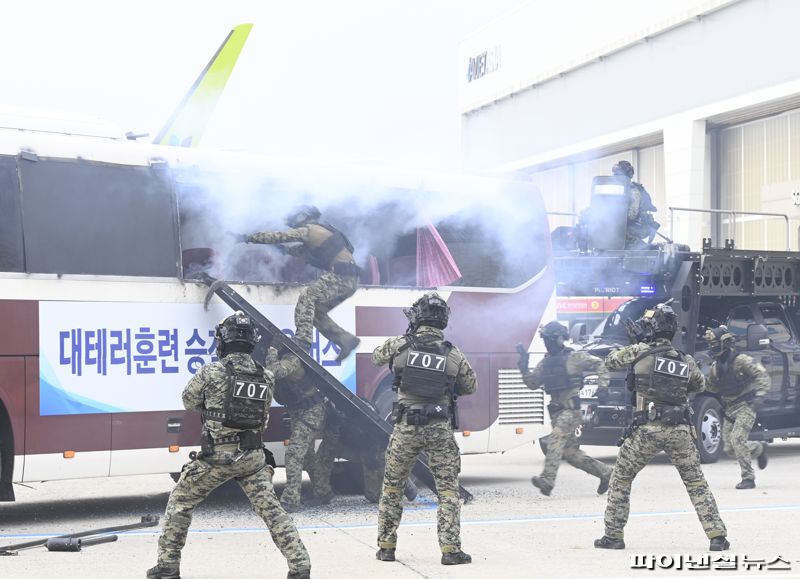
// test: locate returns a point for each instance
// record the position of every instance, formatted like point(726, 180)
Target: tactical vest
point(555, 377)
point(246, 401)
point(322, 255)
point(663, 377)
point(729, 383)
point(421, 369)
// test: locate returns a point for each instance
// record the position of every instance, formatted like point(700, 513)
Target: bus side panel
point(47, 437)
point(20, 320)
point(12, 395)
point(479, 411)
point(368, 376)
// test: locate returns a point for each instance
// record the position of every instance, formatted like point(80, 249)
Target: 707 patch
point(426, 361)
point(675, 368)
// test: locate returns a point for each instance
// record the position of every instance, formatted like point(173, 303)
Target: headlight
point(589, 387)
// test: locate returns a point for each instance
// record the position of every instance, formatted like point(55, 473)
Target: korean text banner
point(100, 357)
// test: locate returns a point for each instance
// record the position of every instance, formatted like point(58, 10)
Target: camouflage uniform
point(641, 224)
point(648, 440)
point(748, 382)
point(207, 390)
point(565, 414)
point(327, 292)
point(435, 439)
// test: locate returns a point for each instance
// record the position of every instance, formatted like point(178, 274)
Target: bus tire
point(708, 426)
point(347, 478)
point(384, 400)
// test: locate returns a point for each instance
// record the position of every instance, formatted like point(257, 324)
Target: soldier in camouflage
point(561, 373)
point(326, 248)
point(662, 379)
point(429, 372)
point(312, 417)
point(742, 384)
point(234, 395)
point(641, 224)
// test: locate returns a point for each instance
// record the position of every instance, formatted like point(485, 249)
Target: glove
point(635, 332)
point(757, 403)
point(524, 360)
point(239, 237)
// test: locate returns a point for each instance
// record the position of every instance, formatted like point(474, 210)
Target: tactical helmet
point(719, 339)
point(660, 322)
point(302, 214)
point(554, 336)
point(553, 329)
point(429, 310)
point(623, 168)
point(238, 327)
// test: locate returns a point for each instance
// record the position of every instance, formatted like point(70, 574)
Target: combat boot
point(164, 572)
point(385, 555)
point(602, 488)
point(719, 544)
point(456, 558)
point(348, 346)
point(542, 485)
point(299, 574)
point(762, 458)
point(747, 483)
point(606, 542)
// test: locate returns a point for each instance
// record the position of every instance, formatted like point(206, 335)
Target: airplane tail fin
point(186, 125)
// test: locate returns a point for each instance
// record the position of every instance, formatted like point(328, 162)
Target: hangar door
point(759, 170)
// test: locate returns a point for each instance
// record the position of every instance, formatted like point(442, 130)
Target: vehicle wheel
point(347, 478)
point(383, 402)
point(543, 442)
point(708, 425)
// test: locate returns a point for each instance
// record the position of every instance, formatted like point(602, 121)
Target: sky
point(364, 80)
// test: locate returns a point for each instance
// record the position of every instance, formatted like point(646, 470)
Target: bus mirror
point(577, 331)
point(757, 337)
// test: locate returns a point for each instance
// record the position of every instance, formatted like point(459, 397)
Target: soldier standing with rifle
point(429, 374)
point(662, 378)
point(326, 248)
point(560, 373)
point(234, 395)
point(742, 383)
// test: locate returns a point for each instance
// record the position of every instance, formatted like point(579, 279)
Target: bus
point(100, 238)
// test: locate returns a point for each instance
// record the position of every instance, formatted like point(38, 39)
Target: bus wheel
point(708, 426)
point(347, 478)
point(383, 402)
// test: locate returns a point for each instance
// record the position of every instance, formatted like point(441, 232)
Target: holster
point(206, 443)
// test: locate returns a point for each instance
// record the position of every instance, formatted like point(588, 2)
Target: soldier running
point(560, 373)
point(742, 383)
point(662, 378)
point(429, 372)
point(326, 248)
point(234, 395)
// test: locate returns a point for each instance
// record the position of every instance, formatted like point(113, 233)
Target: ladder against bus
point(360, 415)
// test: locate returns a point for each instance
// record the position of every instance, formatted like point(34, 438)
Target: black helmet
point(719, 339)
point(302, 215)
point(623, 168)
point(660, 322)
point(429, 310)
point(554, 330)
point(554, 336)
point(237, 328)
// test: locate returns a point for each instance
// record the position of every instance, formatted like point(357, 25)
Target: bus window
point(11, 257)
point(98, 218)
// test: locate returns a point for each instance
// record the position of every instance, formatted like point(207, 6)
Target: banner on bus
point(100, 357)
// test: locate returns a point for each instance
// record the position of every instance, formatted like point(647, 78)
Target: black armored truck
point(754, 293)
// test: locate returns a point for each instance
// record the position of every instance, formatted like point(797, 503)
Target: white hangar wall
point(704, 103)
